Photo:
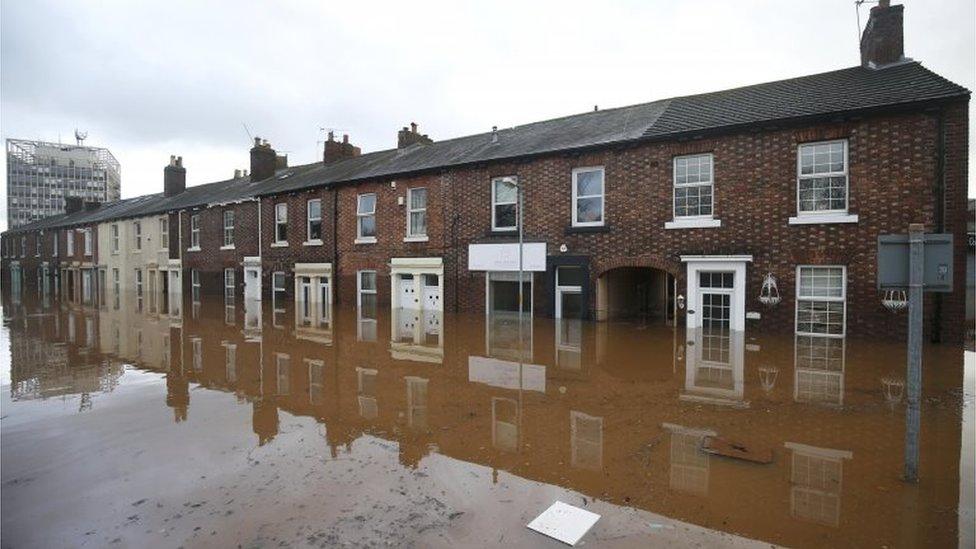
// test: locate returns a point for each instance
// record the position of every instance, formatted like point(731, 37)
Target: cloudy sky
point(150, 79)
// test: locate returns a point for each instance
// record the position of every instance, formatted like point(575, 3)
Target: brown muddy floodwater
point(249, 426)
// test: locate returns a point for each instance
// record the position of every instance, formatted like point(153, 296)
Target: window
point(137, 236)
point(313, 215)
point(821, 300)
point(693, 186)
point(70, 242)
point(504, 204)
point(115, 238)
point(822, 177)
point(56, 244)
point(116, 288)
point(37, 245)
point(587, 197)
point(277, 288)
point(195, 285)
point(195, 232)
point(229, 276)
point(367, 291)
point(163, 233)
point(281, 223)
point(139, 289)
point(228, 229)
point(366, 218)
point(88, 242)
point(416, 213)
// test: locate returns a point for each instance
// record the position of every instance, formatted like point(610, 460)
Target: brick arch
point(670, 266)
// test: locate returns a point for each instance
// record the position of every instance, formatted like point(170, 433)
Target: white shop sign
point(505, 257)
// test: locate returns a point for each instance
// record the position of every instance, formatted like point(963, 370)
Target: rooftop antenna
point(80, 137)
point(250, 138)
point(327, 131)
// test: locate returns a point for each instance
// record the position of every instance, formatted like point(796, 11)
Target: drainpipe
point(260, 242)
point(335, 241)
point(940, 215)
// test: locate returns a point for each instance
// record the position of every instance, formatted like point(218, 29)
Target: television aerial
point(80, 136)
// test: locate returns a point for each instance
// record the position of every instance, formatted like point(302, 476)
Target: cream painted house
point(135, 271)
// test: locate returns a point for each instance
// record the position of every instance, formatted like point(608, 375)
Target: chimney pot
point(335, 151)
point(345, 138)
point(410, 136)
point(413, 127)
point(331, 135)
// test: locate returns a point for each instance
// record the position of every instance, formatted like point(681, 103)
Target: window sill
point(279, 244)
point(416, 239)
point(312, 243)
point(366, 240)
point(698, 223)
point(193, 249)
point(587, 229)
point(228, 247)
point(825, 218)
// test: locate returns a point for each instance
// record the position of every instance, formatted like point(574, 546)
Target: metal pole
point(916, 254)
point(518, 189)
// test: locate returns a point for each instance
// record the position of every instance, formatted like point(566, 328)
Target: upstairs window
point(281, 223)
point(313, 213)
point(821, 296)
point(693, 186)
point(114, 233)
point(366, 217)
point(504, 203)
point(70, 242)
point(54, 248)
point(228, 228)
point(37, 244)
point(195, 231)
point(137, 236)
point(587, 197)
point(416, 213)
point(822, 177)
point(163, 233)
point(88, 242)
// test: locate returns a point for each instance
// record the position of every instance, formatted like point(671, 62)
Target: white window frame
point(230, 285)
point(70, 242)
point(691, 221)
point(842, 299)
point(411, 236)
point(280, 220)
point(163, 233)
point(194, 233)
point(228, 230)
point(195, 285)
point(495, 203)
point(56, 243)
point(576, 197)
point(309, 241)
point(136, 236)
point(88, 242)
point(360, 239)
point(823, 216)
point(115, 238)
point(359, 287)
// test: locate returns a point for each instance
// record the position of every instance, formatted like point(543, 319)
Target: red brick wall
point(283, 259)
point(211, 260)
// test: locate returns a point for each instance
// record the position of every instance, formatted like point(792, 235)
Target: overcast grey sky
point(148, 79)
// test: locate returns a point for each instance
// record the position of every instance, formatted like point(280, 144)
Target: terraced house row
point(686, 209)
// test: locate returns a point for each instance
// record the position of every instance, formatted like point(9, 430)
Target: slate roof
point(854, 89)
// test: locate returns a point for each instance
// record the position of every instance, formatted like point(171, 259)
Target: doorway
point(252, 282)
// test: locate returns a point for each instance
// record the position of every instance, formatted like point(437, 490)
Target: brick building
point(687, 209)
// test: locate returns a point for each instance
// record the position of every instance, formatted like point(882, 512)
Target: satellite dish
point(80, 136)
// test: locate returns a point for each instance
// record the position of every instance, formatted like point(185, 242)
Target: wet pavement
point(246, 425)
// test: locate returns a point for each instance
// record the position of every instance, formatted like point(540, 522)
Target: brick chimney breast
point(263, 160)
point(410, 136)
point(883, 40)
point(174, 177)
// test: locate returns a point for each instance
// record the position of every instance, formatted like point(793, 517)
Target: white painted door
point(304, 299)
point(431, 293)
point(252, 283)
point(408, 293)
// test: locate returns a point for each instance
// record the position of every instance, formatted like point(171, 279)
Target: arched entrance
point(635, 293)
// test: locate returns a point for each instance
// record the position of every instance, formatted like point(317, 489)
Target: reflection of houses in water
point(816, 476)
point(715, 367)
point(253, 326)
point(689, 464)
point(503, 338)
point(416, 334)
point(505, 420)
point(586, 440)
point(819, 369)
point(417, 410)
point(366, 389)
point(569, 344)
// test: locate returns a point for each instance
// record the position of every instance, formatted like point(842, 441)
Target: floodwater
point(245, 425)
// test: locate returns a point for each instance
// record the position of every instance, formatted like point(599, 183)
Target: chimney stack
point(263, 160)
point(883, 39)
point(174, 177)
point(410, 136)
point(335, 151)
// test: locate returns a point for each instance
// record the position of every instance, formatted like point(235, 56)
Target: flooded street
point(258, 426)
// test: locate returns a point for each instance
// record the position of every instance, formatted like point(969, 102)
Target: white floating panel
point(564, 522)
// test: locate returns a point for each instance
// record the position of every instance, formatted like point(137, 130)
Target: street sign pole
point(916, 240)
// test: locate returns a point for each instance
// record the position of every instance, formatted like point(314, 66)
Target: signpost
point(918, 262)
